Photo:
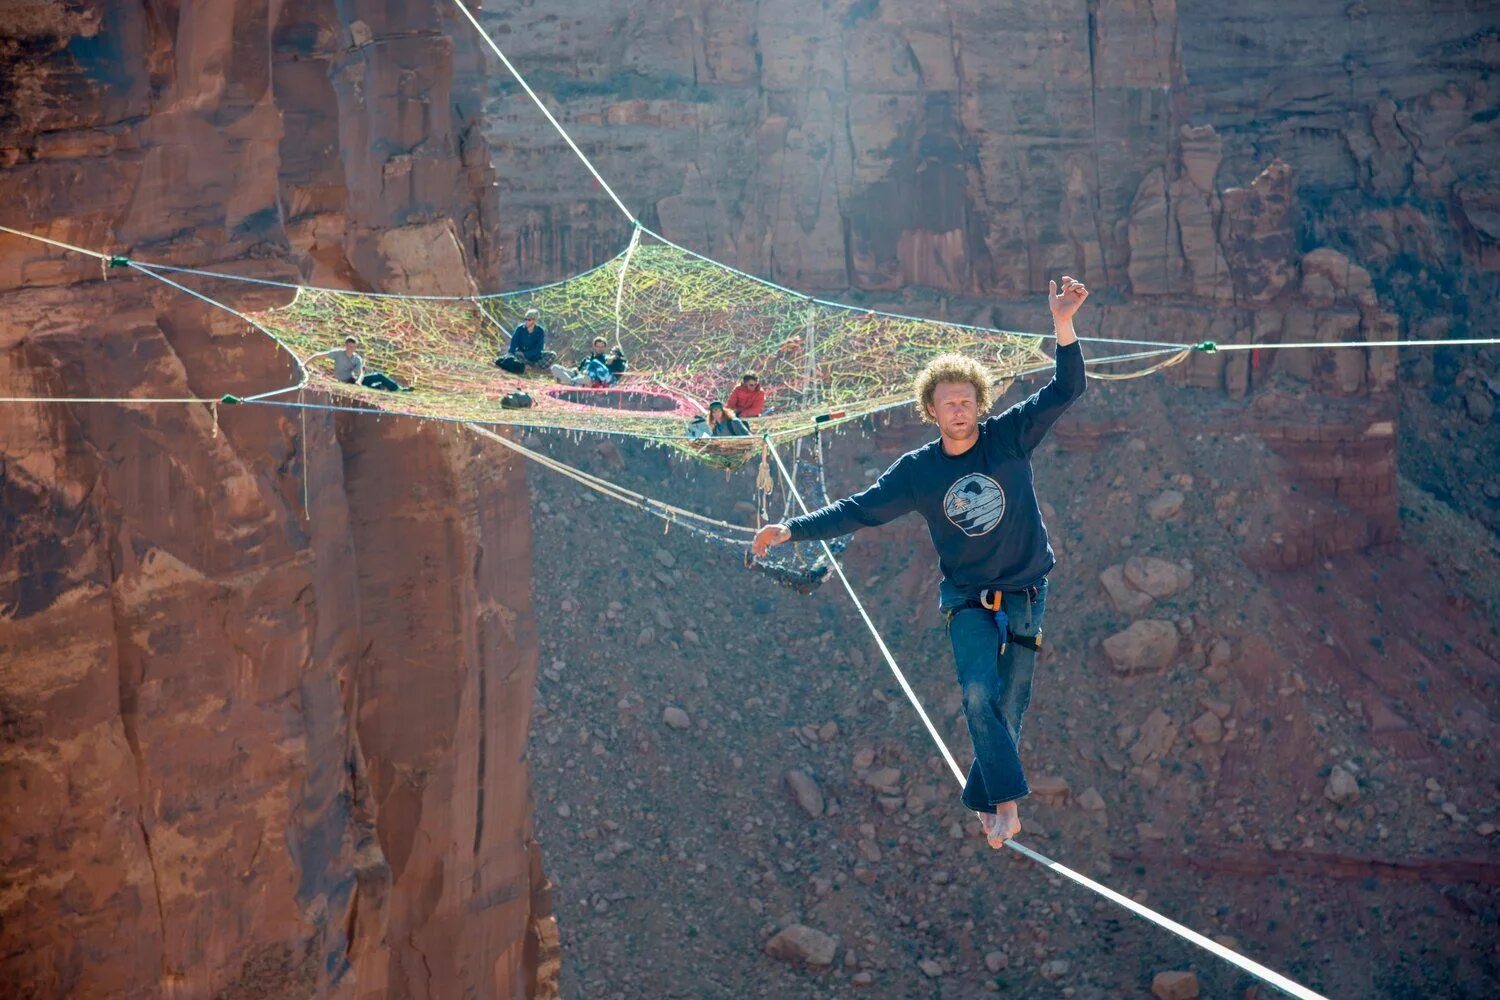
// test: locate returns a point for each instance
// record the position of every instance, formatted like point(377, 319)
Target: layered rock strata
point(1218, 173)
point(265, 675)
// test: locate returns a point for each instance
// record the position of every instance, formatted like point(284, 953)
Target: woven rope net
point(690, 328)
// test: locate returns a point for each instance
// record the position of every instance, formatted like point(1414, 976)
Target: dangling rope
point(306, 458)
point(765, 483)
point(1254, 968)
point(1165, 363)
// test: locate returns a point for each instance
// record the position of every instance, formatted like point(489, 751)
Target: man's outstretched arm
point(1036, 414)
point(889, 498)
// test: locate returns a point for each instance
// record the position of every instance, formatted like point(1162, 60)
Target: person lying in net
point(528, 347)
point(349, 367)
point(748, 399)
point(598, 370)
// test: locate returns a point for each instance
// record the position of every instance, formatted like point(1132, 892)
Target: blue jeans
point(996, 690)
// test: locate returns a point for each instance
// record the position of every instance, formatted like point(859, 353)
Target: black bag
point(511, 363)
point(515, 401)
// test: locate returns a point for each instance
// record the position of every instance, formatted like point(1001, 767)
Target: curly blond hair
point(951, 368)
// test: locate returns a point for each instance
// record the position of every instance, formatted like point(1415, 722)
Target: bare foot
point(1006, 824)
point(986, 823)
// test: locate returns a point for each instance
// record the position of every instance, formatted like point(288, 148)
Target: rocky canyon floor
point(1307, 771)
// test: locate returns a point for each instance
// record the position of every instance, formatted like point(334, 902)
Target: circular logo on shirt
point(975, 504)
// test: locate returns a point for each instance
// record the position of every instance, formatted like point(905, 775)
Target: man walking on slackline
point(974, 488)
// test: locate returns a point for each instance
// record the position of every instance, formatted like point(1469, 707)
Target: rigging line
point(57, 243)
point(799, 430)
point(301, 365)
point(1207, 346)
point(538, 101)
point(1261, 972)
point(374, 295)
point(1311, 344)
point(608, 488)
point(271, 282)
point(599, 482)
point(124, 400)
point(497, 324)
point(890, 659)
point(603, 489)
point(666, 511)
point(635, 241)
point(846, 307)
point(293, 286)
point(267, 395)
point(376, 411)
point(637, 223)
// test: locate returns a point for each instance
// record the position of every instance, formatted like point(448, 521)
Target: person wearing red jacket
point(748, 399)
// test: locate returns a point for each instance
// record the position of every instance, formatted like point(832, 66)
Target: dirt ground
point(1205, 789)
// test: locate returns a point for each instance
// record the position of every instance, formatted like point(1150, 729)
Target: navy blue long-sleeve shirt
point(528, 343)
point(980, 507)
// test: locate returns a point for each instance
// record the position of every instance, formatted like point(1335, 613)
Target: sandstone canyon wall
point(1229, 173)
point(265, 680)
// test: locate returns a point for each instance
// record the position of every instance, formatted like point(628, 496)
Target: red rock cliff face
point(265, 682)
point(1222, 172)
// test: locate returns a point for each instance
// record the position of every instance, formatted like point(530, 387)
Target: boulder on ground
point(806, 791)
point(1125, 598)
point(1342, 788)
point(1149, 644)
point(1208, 728)
point(1158, 736)
point(675, 717)
point(1050, 789)
point(800, 943)
point(1174, 985)
point(1166, 506)
point(1157, 577)
point(1480, 404)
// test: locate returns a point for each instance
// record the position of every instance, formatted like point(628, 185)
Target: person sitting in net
point(599, 370)
point(722, 422)
point(528, 347)
point(748, 399)
point(349, 367)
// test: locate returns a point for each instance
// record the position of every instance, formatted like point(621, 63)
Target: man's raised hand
point(771, 534)
point(1064, 302)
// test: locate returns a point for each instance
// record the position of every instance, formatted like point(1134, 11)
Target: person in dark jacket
point(528, 346)
point(599, 369)
point(723, 423)
point(974, 488)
